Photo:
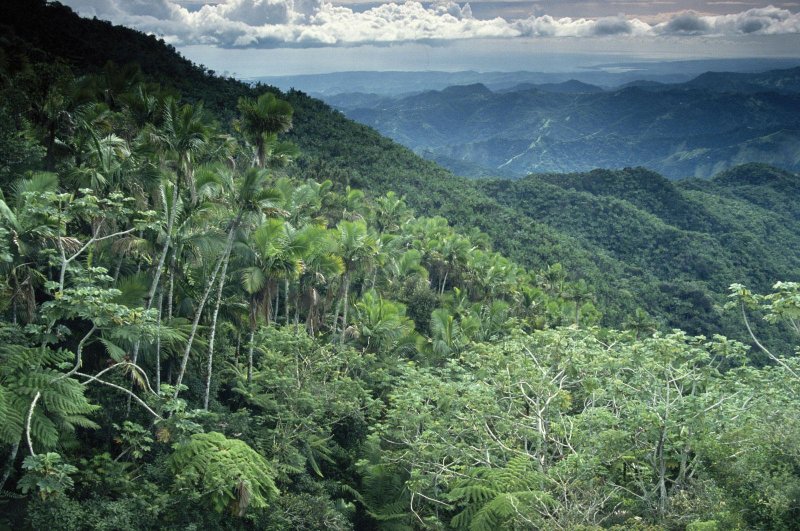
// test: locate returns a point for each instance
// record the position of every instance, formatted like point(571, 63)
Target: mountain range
point(695, 128)
point(606, 75)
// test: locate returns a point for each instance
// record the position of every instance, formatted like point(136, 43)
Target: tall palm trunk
point(250, 355)
point(199, 312)
point(346, 281)
point(167, 243)
point(171, 291)
point(161, 259)
point(210, 366)
point(286, 300)
point(159, 267)
point(158, 342)
point(297, 307)
point(277, 304)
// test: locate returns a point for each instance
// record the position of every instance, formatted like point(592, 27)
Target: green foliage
point(707, 525)
point(303, 512)
point(500, 498)
point(46, 475)
point(381, 324)
point(230, 473)
point(384, 495)
point(135, 438)
point(303, 394)
point(383, 369)
point(28, 371)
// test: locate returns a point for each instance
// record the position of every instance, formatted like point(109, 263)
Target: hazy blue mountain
point(783, 81)
point(573, 86)
point(607, 75)
point(680, 130)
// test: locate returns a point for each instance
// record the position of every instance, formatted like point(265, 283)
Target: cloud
point(688, 23)
point(305, 23)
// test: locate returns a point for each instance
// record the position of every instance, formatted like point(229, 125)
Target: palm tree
point(272, 260)
point(261, 121)
point(356, 247)
point(381, 323)
point(251, 194)
point(321, 265)
point(30, 233)
point(579, 293)
point(182, 136)
point(454, 252)
point(390, 213)
point(640, 323)
point(552, 279)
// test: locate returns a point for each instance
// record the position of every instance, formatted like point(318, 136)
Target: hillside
point(786, 81)
point(204, 327)
point(695, 129)
point(623, 278)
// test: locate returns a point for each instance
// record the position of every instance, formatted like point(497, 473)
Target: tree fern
point(501, 498)
point(26, 371)
point(385, 496)
point(232, 474)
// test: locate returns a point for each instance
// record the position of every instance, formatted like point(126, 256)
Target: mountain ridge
point(677, 130)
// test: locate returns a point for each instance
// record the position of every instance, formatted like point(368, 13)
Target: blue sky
point(249, 38)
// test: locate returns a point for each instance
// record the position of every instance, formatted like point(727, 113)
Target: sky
point(250, 38)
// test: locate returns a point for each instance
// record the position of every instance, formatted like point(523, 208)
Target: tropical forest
point(227, 306)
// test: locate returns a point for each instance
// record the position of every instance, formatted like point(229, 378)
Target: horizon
point(255, 38)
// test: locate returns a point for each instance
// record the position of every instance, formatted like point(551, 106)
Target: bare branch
point(28, 423)
point(772, 356)
point(117, 387)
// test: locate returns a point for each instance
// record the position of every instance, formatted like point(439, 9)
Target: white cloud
point(304, 23)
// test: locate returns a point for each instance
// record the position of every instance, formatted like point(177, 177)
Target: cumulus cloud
point(688, 23)
point(272, 23)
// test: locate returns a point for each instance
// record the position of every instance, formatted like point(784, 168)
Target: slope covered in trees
point(347, 153)
point(196, 331)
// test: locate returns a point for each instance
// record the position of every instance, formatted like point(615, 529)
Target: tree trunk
point(158, 342)
point(161, 259)
point(297, 308)
point(344, 310)
point(662, 475)
point(238, 347)
point(286, 299)
point(210, 366)
point(171, 291)
point(202, 303)
point(250, 355)
point(167, 243)
point(277, 304)
point(336, 314)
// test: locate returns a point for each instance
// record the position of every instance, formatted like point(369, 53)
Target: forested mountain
point(218, 311)
point(694, 129)
point(611, 75)
point(786, 81)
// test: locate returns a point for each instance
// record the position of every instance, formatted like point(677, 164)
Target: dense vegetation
point(334, 148)
point(198, 332)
